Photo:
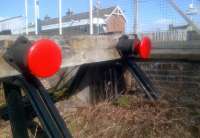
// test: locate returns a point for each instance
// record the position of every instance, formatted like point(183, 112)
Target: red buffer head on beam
point(44, 58)
point(41, 58)
point(135, 47)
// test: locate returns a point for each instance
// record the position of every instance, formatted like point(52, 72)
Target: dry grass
point(174, 116)
point(134, 117)
point(5, 130)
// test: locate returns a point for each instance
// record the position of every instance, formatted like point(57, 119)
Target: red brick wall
point(116, 23)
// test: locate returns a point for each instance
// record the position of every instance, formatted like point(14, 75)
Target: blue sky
point(152, 12)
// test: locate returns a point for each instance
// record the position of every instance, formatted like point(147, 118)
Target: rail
point(167, 35)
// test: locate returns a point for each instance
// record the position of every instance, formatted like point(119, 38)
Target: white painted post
point(36, 16)
point(91, 16)
point(38, 10)
point(136, 16)
point(26, 15)
point(60, 17)
point(98, 8)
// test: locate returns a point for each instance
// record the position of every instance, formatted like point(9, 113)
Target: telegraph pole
point(91, 16)
point(136, 16)
point(26, 15)
point(60, 17)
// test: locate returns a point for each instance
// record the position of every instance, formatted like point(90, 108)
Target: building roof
point(172, 27)
point(101, 13)
point(11, 18)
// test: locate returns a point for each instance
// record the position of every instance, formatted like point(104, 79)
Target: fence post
point(136, 16)
point(60, 17)
point(91, 16)
point(26, 15)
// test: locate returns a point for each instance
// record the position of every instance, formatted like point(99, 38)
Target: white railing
point(167, 35)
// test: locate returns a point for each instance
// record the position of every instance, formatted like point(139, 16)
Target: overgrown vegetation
point(175, 115)
point(131, 116)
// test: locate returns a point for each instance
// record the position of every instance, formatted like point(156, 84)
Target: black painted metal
point(126, 49)
point(16, 54)
point(49, 116)
point(125, 45)
point(43, 105)
point(143, 80)
point(15, 109)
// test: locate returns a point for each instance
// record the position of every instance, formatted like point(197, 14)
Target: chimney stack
point(69, 12)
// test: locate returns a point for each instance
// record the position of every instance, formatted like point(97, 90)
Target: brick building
point(105, 20)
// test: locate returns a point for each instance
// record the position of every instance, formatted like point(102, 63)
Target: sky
point(153, 13)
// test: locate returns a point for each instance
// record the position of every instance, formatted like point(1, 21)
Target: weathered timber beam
point(76, 50)
point(79, 50)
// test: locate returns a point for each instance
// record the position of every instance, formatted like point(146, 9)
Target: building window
point(83, 29)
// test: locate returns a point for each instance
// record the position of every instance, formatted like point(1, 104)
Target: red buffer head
point(144, 50)
point(44, 58)
point(143, 47)
point(134, 46)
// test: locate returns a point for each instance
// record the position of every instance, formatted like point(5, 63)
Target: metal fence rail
point(167, 35)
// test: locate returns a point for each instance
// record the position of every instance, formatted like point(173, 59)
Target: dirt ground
point(175, 115)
